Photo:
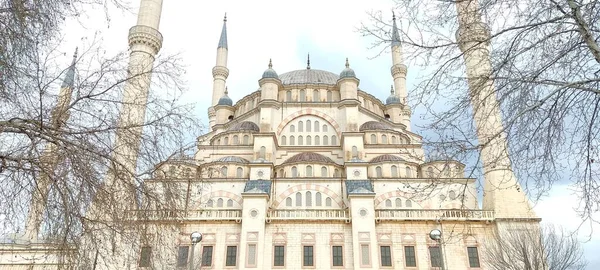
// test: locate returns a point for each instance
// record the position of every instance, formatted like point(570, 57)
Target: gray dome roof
point(225, 100)
point(347, 72)
point(374, 125)
point(270, 72)
point(392, 99)
point(246, 125)
point(309, 76)
point(308, 157)
point(384, 158)
point(233, 159)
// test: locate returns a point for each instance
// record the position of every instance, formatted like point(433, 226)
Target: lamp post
point(196, 237)
point(436, 235)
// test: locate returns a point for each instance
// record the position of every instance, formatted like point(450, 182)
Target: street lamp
point(196, 237)
point(436, 235)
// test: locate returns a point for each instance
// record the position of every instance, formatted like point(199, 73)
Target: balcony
point(439, 214)
point(192, 215)
point(308, 214)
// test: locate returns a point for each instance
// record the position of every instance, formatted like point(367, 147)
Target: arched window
point(329, 96)
point(220, 202)
point(209, 203)
point(388, 203)
point(283, 140)
point(292, 128)
point(224, 171)
point(317, 126)
point(394, 171)
point(263, 152)
point(323, 171)
point(394, 140)
point(219, 142)
point(398, 202)
point(236, 140)
point(292, 140)
point(230, 203)
point(300, 126)
point(300, 140)
point(328, 202)
point(298, 199)
point(429, 172)
point(318, 199)
point(302, 95)
point(408, 172)
point(226, 141)
point(288, 95)
point(334, 140)
point(325, 140)
point(408, 203)
point(288, 201)
point(354, 152)
point(309, 172)
point(239, 173)
point(336, 173)
point(308, 140)
point(308, 126)
point(280, 172)
point(378, 172)
point(294, 171)
point(324, 128)
point(187, 173)
point(308, 198)
point(373, 138)
point(317, 140)
point(246, 139)
point(315, 96)
point(384, 139)
point(452, 195)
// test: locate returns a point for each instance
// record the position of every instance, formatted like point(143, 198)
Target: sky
point(285, 31)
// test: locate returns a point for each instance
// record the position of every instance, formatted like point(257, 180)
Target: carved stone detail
point(141, 34)
point(398, 70)
point(220, 71)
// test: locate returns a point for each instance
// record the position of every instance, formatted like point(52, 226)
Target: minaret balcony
point(308, 214)
point(433, 214)
point(142, 34)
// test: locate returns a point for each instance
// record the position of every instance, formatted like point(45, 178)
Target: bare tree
point(528, 248)
point(546, 68)
point(55, 148)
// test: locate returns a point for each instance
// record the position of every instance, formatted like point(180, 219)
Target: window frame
point(181, 263)
point(362, 258)
point(439, 253)
point(333, 261)
point(283, 257)
point(203, 254)
point(248, 257)
point(141, 262)
point(227, 256)
point(391, 256)
point(414, 256)
point(312, 256)
point(476, 257)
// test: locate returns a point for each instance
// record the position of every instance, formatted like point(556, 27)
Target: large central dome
point(309, 76)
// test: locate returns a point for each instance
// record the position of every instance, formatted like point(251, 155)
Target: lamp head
point(196, 237)
point(435, 234)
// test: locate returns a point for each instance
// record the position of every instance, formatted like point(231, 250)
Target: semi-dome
point(393, 98)
point(374, 125)
point(309, 76)
point(246, 125)
point(270, 72)
point(386, 158)
point(233, 159)
point(308, 157)
point(347, 72)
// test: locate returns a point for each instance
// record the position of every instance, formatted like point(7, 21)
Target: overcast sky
point(285, 31)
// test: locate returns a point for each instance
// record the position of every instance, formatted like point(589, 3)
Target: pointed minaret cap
point(69, 79)
point(347, 72)
point(393, 98)
point(223, 39)
point(395, 35)
point(270, 72)
point(308, 62)
point(225, 99)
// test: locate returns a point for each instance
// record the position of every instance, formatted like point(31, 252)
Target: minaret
point(399, 74)
point(220, 73)
point(502, 192)
point(50, 157)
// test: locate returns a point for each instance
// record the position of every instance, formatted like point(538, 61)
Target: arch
point(230, 203)
point(302, 96)
point(394, 139)
point(292, 140)
point(394, 171)
point(373, 138)
point(294, 171)
point(312, 187)
point(226, 141)
point(308, 140)
point(328, 202)
point(388, 203)
point(236, 140)
point(217, 194)
point(308, 198)
point(224, 171)
point(292, 128)
point(300, 140)
point(309, 111)
point(317, 126)
point(323, 171)
point(317, 140)
point(283, 140)
point(329, 96)
point(408, 172)
point(398, 203)
point(288, 95)
point(298, 199)
point(209, 203)
point(318, 199)
point(281, 173)
point(309, 171)
point(334, 140)
point(384, 139)
point(324, 128)
point(239, 172)
point(452, 194)
point(263, 152)
point(220, 202)
point(288, 201)
point(308, 126)
point(408, 203)
point(315, 96)
point(300, 126)
point(395, 193)
point(378, 172)
point(246, 139)
point(354, 152)
point(325, 140)
point(336, 173)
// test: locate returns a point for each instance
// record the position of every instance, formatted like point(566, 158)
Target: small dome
point(374, 125)
point(392, 99)
point(385, 158)
point(270, 72)
point(246, 125)
point(225, 100)
point(347, 72)
point(233, 159)
point(309, 157)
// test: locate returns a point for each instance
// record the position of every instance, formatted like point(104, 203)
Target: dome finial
point(347, 64)
point(226, 90)
point(75, 55)
point(225, 17)
point(392, 89)
point(270, 63)
point(393, 15)
point(308, 62)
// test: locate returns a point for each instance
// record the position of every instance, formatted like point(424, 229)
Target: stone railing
point(437, 214)
point(206, 214)
point(308, 214)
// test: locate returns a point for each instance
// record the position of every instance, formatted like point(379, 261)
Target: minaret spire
point(220, 73)
point(399, 73)
point(395, 35)
point(308, 61)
